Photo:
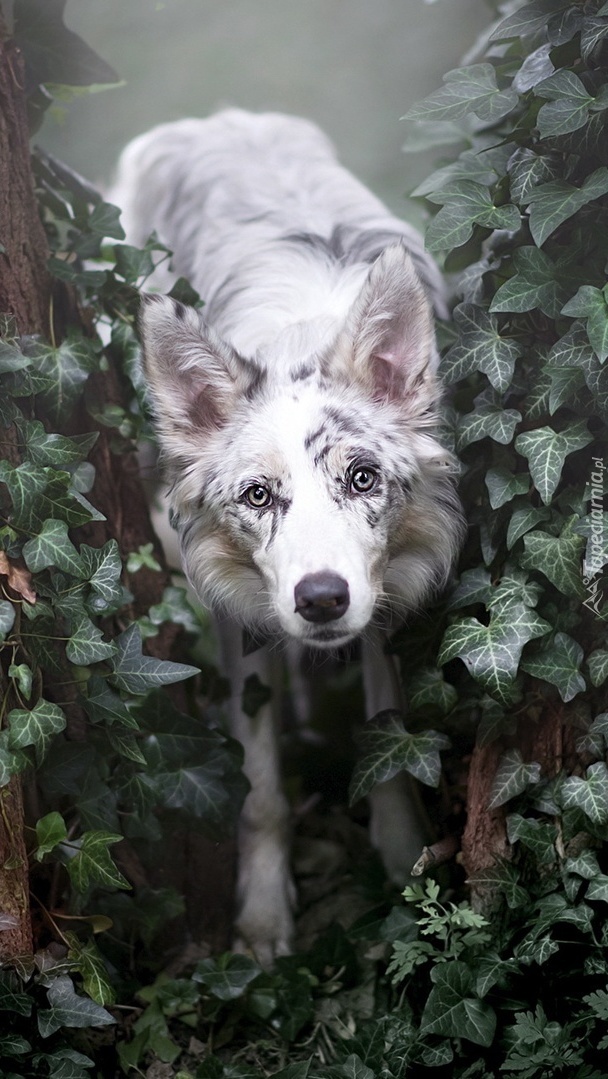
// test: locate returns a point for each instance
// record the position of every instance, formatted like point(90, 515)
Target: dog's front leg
point(265, 891)
point(399, 826)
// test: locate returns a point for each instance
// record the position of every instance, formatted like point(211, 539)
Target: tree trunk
point(24, 308)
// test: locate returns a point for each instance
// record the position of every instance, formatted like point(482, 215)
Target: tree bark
point(25, 292)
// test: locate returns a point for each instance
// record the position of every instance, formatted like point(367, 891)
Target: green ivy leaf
point(429, 689)
point(553, 203)
point(559, 662)
point(50, 831)
point(503, 486)
point(35, 727)
point(589, 794)
point(86, 644)
point(69, 1009)
point(92, 863)
point(487, 421)
point(65, 370)
point(591, 303)
point(103, 569)
point(492, 653)
point(480, 347)
point(598, 666)
point(466, 90)
point(527, 20)
point(11, 999)
point(136, 673)
point(228, 976)
point(50, 449)
point(547, 450)
point(523, 519)
point(53, 547)
point(453, 1010)
point(387, 749)
point(103, 705)
point(466, 204)
point(528, 169)
point(7, 617)
point(537, 837)
point(86, 959)
point(568, 106)
point(559, 558)
point(512, 777)
point(536, 282)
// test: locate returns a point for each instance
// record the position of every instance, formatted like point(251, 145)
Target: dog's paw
point(265, 931)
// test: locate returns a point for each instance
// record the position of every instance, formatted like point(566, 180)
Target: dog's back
point(227, 193)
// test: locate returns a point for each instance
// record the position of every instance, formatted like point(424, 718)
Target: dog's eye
point(363, 480)
point(258, 496)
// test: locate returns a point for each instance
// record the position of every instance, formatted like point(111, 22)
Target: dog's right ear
point(194, 378)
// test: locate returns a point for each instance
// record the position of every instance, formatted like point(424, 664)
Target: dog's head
point(309, 493)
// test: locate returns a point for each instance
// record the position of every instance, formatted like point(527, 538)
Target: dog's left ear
point(388, 342)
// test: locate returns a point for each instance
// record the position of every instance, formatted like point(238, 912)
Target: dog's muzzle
point(321, 597)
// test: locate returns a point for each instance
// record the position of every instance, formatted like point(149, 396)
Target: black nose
point(321, 597)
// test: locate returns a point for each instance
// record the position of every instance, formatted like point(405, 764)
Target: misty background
point(354, 66)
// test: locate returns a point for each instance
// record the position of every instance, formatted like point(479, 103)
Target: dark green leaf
point(228, 976)
point(69, 1009)
point(466, 90)
point(53, 547)
point(558, 662)
point(553, 203)
point(512, 777)
point(547, 450)
point(453, 1010)
point(387, 749)
point(92, 863)
point(35, 727)
point(50, 830)
point(480, 347)
point(137, 673)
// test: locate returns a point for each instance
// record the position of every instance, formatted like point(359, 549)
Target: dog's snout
point(321, 597)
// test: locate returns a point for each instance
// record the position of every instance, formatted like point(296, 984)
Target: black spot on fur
point(258, 376)
point(304, 371)
point(320, 456)
point(314, 436)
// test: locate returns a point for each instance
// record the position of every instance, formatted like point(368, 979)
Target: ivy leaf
point(536, 282)
point(487, 421)
point(429, 689)
point(103, 569)
point(227, 977)
point(553, 203)
point(480, 348)
point(137, 673)
point(474, 586)
point(591, 303)
point(387, 749)
point(92, 863)
point(35, 727)
point(547, 450)
point(452, 1009)
point(86, 644)
point(51, 449)
point(568, 106)
point(466, 90)
point(527, 20)
point(558, 662)
point(491, 653)
point(527, 170)
point(65, 370)
point(69, 1009)
point(53, 547)
point(50, 831)
point(589, 794)
point(531, 833)
point(598, 666)
point(7, 617)
point(102, 705)
point(467, 204)
point(512, 777)
point(523, 519)
point(86, 959)
point(503, 486)
point(559, 558)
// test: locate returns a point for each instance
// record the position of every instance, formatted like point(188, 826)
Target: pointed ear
point(194, 378)
point(388, 340)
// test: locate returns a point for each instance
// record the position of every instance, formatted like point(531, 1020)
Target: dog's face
point(307, 491)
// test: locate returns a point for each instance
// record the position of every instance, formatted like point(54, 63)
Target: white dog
point(295, 418)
